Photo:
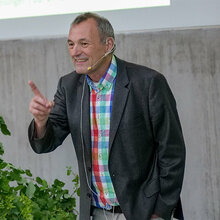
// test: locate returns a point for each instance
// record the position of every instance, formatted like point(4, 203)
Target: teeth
point(80, 60)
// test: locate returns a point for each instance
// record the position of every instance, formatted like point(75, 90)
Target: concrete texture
point(190, 60)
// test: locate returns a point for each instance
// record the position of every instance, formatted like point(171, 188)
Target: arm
point(49, 133)
point(40, 108)
point(170, 145)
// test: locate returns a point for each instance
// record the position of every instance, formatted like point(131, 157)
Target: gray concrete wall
point(190, 60)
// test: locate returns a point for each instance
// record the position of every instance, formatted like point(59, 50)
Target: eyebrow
point(82, 39)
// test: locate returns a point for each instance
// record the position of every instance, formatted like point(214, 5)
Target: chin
point(81, 71)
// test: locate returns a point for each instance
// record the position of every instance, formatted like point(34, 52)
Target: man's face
point(85, 47)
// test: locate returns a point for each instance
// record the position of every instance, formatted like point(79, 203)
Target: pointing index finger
point(34, 89)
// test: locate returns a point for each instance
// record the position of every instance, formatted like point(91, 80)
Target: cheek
point(96, 56)
point(70, 52)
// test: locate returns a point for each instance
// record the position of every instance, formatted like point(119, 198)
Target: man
point(124, 125)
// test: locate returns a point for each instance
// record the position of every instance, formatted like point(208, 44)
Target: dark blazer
point(146, 146)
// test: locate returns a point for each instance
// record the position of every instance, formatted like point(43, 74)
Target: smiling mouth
point(80, 60)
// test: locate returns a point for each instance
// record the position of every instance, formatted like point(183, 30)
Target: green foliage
point(3, 127)
point(23, 197)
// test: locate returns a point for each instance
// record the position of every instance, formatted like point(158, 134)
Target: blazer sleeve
point(57, 127)
point(169, 143)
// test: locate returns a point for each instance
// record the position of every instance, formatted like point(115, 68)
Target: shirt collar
point(107, 79)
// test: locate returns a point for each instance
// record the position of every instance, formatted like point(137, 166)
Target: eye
point(84, 44)
point(70, 44)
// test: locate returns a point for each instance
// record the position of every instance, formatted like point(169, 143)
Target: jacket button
point(89, 195)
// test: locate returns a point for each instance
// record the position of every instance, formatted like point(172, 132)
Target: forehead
point(85, 30)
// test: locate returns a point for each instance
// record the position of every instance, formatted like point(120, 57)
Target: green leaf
point(3, 127)
point(15, 175)
point(78, 192)
point(19, 187)
point(30, 190)
point(10, 166)
point(66, 196)
point(4, 185)
point(68, 172)
point(2, 164)
point(76, 179)
point(39, 180)
point(44, 183)
point(1, 149)
point(5, 130)
point(58, 183)
point(22, 181)
point(28, 173)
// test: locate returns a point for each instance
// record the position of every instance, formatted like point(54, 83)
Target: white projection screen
point(32, 8)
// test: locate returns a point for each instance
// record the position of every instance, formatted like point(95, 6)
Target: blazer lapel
point(119, 100)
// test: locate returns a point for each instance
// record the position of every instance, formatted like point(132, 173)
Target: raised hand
point(40, 108)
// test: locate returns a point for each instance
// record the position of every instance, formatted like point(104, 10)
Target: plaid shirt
point(101, 96)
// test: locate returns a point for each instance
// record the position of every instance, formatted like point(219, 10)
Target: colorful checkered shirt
point(101, 96)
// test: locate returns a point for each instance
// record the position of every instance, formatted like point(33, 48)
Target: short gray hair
point(105, 28)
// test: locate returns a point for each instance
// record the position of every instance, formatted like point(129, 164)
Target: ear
point(110, 43)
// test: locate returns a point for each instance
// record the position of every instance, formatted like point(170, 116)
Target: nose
point(75, 50)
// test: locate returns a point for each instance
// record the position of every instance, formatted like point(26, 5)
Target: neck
point(98, 73)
